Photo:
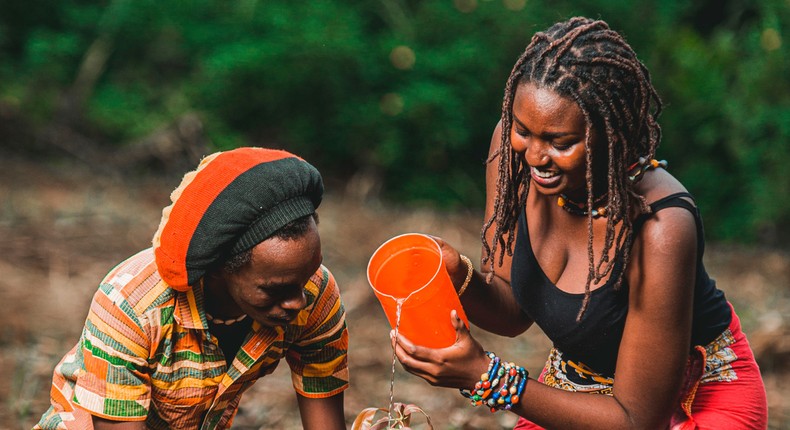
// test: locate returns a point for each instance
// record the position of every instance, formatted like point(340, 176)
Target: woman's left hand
point(456, 366)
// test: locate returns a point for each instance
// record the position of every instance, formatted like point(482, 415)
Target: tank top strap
point(675, 200)
point(670, 201)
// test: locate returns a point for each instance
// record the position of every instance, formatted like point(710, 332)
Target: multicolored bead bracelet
point(488, 390)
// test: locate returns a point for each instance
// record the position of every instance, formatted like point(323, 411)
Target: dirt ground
point(63, 227)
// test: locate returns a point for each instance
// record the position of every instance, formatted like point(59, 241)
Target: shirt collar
point(189, 308)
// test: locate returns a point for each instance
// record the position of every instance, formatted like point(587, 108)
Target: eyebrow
point(551, 135)
point(275, 285)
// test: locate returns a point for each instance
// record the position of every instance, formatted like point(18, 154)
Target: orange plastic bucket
point(409, 269)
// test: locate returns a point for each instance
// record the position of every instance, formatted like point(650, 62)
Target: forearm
point(558, 409)
point(492, 307)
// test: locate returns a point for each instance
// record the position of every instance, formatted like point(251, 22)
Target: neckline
point(618, 262)
point(608, 284)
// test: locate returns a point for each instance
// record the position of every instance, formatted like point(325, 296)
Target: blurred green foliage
point(405, 93)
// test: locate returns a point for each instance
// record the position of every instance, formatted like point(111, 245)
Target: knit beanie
point(230, 203)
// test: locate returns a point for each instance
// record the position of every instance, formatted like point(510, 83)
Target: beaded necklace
point(218, 321)
point(635, 173)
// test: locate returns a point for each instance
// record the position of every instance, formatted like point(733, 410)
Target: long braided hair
point(587, 62)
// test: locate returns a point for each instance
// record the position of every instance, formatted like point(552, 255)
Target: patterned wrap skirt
point(722, 389)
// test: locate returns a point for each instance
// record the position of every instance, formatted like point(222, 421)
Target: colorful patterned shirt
point(146, 354)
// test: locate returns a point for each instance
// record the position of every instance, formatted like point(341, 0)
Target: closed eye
point(562, 146)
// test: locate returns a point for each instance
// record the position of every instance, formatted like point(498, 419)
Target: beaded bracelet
point(470, 270)
point(488, 390)
point(482, 389)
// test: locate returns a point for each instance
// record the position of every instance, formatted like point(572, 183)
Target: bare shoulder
point(496, 140)
point(664, 252)
point(657, 184)
point(670, 230)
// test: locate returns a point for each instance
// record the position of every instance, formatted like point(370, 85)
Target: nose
point(536, 152)
point(296, 301)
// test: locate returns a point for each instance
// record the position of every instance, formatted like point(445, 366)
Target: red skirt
point(723, 387)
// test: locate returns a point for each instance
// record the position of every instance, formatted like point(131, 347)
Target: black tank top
point(594, 341)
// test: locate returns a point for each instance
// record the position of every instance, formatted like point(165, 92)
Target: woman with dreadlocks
point(590, 237)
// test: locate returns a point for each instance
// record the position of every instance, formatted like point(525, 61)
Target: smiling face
point(549, 133)
point(270, 287)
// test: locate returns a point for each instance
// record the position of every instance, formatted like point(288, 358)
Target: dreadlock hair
point(587, 62)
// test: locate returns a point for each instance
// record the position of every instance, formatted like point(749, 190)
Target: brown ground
point(61, 230)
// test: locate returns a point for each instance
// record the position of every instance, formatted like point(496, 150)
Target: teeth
point(542, 174)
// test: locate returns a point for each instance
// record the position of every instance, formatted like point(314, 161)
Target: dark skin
point(315, 413)
point(102, 424)
point(270, 290)
point(550, 137)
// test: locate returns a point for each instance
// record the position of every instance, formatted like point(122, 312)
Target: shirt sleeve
point(318, 359)
point(111, 360)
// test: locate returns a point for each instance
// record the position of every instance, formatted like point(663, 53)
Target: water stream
point(392, 376)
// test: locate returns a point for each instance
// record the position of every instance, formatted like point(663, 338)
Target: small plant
point(398, 418)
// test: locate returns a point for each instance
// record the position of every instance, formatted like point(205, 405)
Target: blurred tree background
point(398, 95)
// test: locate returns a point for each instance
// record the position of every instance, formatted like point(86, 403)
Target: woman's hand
point(457, 366)
point(455, 267)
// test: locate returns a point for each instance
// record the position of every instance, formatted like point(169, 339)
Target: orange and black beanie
point(230, 203)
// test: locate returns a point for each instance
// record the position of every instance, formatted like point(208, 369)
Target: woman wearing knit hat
point(233, 283)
